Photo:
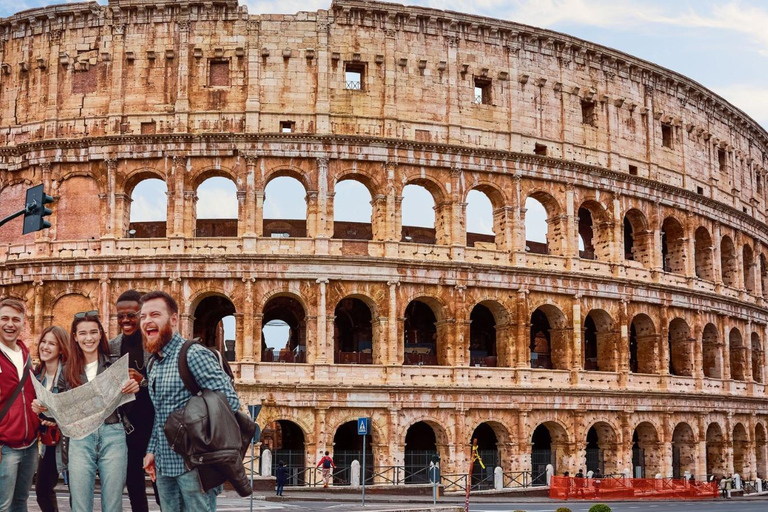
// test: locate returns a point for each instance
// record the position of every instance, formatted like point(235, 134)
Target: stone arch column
point(312, 214)
point(443, 231)
point(379, 217)
point(258, 214)
point(503, 226)
point(505, 348)
point(190, 213)
point(241, 212)
point(446, 342)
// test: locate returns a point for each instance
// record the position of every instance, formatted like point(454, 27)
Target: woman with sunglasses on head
point(53, 352)
point(105, 450)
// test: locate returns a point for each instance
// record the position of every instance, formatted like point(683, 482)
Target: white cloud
point(217, 199)
point(418, 207)
point(284, 198)
point(149, 201)
point(351, 202)
point(752, 99)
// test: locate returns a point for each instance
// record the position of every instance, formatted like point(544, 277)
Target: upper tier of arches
point(540, 92)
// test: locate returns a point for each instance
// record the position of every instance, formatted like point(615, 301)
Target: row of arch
point(601, 449)
point(494, 336)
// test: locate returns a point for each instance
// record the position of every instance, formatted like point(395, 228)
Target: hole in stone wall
point(666, 135)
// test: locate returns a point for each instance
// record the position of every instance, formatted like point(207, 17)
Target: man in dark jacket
point(18, 427)
point(179, 489)
point(140, 413)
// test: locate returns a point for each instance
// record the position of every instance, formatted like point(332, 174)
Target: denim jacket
point(54, 389)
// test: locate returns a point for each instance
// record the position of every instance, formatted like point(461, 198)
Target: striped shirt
point(169, 394)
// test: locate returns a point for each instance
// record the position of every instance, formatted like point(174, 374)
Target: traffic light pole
point(17, 214)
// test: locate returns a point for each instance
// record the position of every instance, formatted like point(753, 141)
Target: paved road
point(233, 503)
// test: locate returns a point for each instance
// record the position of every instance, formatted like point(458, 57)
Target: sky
point(723, 45)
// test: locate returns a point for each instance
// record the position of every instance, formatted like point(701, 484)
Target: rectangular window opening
point(287, 126)
point(218, 75)
point(633, 170)
point(482, 91)
point(588, 113)
point(721, 159)
point(700, 191)
point(540, 149)
point(666, 135)
point(354, 75)
point(147, 128)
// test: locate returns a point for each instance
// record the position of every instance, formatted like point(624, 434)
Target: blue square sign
point(363, 426)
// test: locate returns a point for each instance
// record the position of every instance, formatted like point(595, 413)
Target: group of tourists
point(130, 441)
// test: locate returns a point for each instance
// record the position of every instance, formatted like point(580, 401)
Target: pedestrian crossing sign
point(363, 426)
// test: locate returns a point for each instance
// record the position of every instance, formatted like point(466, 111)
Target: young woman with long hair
point(105, 450)
point(52, 351)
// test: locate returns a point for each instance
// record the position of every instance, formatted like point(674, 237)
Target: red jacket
point(19, 427)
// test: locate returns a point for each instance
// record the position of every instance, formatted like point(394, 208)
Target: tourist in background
point(18, 423)
point(327, 463)
point(52, 351)
point(282, 477)
point(141, 413)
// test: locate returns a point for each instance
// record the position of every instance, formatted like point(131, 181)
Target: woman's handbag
point(50, 436)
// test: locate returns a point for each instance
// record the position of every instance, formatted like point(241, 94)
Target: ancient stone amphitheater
point(641, 350)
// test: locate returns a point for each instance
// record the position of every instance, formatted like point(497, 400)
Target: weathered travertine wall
point(656, 329)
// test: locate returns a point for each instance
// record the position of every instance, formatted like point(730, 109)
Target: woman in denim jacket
point(52, 351)
point(105, 450)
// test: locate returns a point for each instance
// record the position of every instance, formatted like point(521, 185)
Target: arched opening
point(348, 447)
point(711, 356)
point(482, 337)
point(737, 355)
point(680, 348)
point(283, 335)
point(66, 306)
point(352, 211)
point(209, 324)
point(487, 449)
point(480, 221)
point(601, 449)
point(595, 234)
point(548, 339)
point(716, 463)
point(740, 451)
point(637, 238)
point(748, 265)
point(285, 208)
point(757, 358)
point(148, 209)
point(536, 227)
point(600, 342)
point(542, 455)
point(728, 262)
point(764, 275)
point(217, 208)
point(352, 332)
point(646, 451)
point(420, 449)
point(642, 345)
point(683, 450)
point(420, 337)
point(703, 248)
point(418, 215)
point(673, 246)
point(285, 440)
point(760, 451)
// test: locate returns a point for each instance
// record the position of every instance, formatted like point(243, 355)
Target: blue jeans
point(16, 471)
point(184, 493)
point(104, 451)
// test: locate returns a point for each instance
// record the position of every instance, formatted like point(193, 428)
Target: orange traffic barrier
point(619, 488)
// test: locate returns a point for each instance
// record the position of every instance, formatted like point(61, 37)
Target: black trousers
point(47, 477)
point(137, 442)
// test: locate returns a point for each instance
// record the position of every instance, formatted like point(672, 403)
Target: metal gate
point(294, 461)
point(539, 460)
point(595, 460)
point(417, 466)
point(483, 478)
point(676, 469)
point(344, 459)
point(638, 462)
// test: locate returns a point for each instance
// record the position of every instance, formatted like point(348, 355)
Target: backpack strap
point(19, 387)
point(184, 372)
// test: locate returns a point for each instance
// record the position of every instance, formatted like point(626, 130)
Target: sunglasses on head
point(131, 315)
point(86, 314)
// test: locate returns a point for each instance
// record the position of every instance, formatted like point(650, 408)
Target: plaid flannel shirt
point(169, 394)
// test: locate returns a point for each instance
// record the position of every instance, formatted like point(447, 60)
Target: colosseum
point(629, 339)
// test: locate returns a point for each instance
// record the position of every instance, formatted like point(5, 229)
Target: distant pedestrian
point(598, 480)
point(282, 477)
point(728, 486)
point(327, 463)
point(721, 486)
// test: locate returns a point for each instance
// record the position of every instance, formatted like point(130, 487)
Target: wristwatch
point(144, 383)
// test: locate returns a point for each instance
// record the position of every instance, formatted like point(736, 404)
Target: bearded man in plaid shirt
point(179, 489)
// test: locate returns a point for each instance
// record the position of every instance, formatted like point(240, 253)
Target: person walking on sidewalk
point(282, 477)
point(327, 463)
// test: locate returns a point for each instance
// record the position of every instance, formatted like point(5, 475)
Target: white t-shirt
point(16, 357)
point(49, 380)
point(91, 369)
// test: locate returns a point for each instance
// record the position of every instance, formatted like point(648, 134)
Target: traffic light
point(35, 210)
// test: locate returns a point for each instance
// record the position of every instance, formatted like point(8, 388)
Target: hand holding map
point(81, 411)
